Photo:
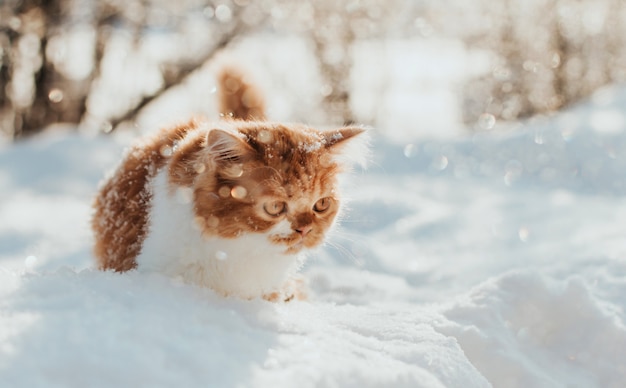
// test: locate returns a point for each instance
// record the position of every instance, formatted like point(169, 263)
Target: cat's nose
point(304, 230)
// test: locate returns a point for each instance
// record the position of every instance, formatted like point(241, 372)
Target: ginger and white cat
point(231, 205)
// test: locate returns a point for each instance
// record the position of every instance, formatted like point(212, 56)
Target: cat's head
point(273, 179)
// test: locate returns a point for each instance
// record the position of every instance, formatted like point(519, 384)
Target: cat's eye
point(322, 204)
point(275, 208)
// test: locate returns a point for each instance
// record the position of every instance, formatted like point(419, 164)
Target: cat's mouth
point(294, 241)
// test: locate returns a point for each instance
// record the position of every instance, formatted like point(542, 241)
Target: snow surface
point(497, 259)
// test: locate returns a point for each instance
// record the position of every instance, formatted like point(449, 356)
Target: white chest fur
point(248, 266)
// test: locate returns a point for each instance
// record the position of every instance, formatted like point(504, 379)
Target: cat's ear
point(224, 146)
point(337, 136)
point(348, 145)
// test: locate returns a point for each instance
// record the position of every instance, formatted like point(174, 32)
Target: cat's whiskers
point(345, 252)
point(351, 238)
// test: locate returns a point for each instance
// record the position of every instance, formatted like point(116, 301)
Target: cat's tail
point(239, 98)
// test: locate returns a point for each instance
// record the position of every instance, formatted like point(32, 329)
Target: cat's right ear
point(224, 146)
point(348, 145)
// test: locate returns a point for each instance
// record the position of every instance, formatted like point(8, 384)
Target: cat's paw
point(296, 288)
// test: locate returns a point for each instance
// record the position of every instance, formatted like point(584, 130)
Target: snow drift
point(492, 260)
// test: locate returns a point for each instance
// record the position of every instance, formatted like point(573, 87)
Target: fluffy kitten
point(230, 205)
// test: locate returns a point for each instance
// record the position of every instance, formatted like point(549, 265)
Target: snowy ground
point(497, 259)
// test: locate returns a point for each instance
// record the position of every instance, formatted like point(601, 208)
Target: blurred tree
point(333, 27)
point(44, 44)
point(25, 72)
point(54, 54)
point(547, 54)
point(332, 40)
point(174, 73)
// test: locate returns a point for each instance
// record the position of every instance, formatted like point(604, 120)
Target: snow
point(493, 259)
point(522, 323)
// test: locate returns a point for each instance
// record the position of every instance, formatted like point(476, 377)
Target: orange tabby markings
point(121, 207)
point(230, 205)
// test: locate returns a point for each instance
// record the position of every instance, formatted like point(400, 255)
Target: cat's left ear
point(227, 147)
point(349, 145)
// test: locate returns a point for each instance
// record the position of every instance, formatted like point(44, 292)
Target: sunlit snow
point(493, 258)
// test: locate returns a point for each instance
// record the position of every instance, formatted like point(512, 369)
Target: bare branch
point(179, 75)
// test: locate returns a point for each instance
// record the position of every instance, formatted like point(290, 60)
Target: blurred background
point(422, 68)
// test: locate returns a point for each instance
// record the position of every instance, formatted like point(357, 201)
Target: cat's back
point(121, 206)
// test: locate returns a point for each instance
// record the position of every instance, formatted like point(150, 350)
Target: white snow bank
point(89, 328)
point(45, 202)
point(96, 329)
point(525, 330)
point(491, 260)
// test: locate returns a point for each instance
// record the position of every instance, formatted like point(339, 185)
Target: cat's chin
point(294, 243)
point(299, 246)
point(295, 248)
